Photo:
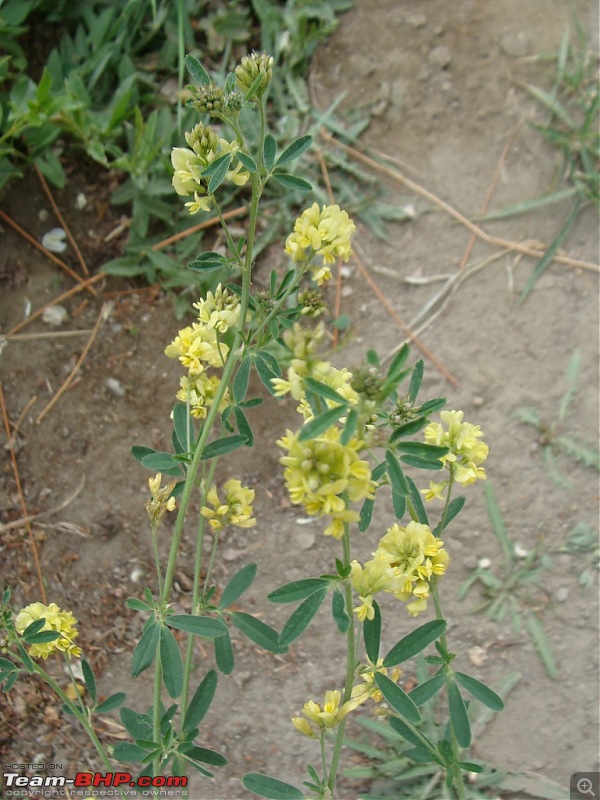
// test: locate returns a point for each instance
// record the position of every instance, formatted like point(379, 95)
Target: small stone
point(477, 655)
point(115, 387)
point(305, 540)
point(440, 56)
point(562, 594)
point(470, 562)
point(80, 201)
point(231, 554)
point(55, 316)
point(478, 401)
point(417, 20)
point(484, 563)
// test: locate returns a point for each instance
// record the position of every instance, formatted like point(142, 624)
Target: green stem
point(157, 561)
point(156, 735)
point(350, 663)
point(447, 505)
point(457, 771)
point(83, 718)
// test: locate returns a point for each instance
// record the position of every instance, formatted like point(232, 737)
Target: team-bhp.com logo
point(20, 785)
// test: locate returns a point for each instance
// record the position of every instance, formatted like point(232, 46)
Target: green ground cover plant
point(359, 435)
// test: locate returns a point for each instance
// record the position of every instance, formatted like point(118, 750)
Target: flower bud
point(250, 68)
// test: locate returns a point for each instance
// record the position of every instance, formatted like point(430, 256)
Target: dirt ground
point(444, 80)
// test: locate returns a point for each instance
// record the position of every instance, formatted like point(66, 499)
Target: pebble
point(231, 554)
point(305, 540)
point(562, 594)
point(55, 316)
point(115, 386)
point(417, 20)
point(440, 56)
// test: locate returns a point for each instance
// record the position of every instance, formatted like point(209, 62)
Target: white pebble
point(115, 386)
point(55, 316)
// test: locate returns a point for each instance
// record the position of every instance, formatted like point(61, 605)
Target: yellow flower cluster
point(466, 454)
point(63, 622)
point(160, 501)
point(205, 147)
point(319, 471)
point(198, 346)
point(325, 233)
point(236, 510)
point(302, 342)
point(405, 563)
point(323, 717)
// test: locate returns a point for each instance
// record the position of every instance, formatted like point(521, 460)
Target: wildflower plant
point(355, 437)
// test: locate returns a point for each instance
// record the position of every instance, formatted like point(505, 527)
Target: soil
point(442, 81)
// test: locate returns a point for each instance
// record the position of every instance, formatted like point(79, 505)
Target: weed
point(515, 587)
point(552, 440)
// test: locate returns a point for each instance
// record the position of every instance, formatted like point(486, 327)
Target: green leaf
point(206, 627)
point(321, 423)
point(294, 150)
point(398, 362)
point(399, 504)
point(247, 161)
point(243, 425)
point(297, 590)
point(240, 382)
point(426, 690)
point(372, 634)
point(183, 426)
point(408, 429)
point(265, 372)
point(51, 168)
point(366, 514)
point(405, 731)
point(238, 585)
point(301, 618)
point(542, 643)
point(199, 75)
point(7, 664)
point(269, 150)
point(219, 173)
point(422, 463)
point(127, 751)
point(395, 474)
point(292, 182)
point(41, 638)
point(224, 445)
point(89, 678)
point(253, 88)
point(338, 611)
point(349, 427)
point(145, 650)
point(111, 702)
point(482, 692)
point(428, 451)
point(325, 391)
point(454, 509)
point(224, 654)
point(414, 642)
point(139, 726)
point(208, 262)
point(33, 627)
point(206, 756)
point(258, 632)
point(137, 605)
point(172, 665)
point(415, 381)
point(397, 698)
point(265, 786)
point(417, 502)
point(200, 702)
point(162, 462)
point(458, 715)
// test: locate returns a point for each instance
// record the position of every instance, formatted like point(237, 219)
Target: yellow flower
point(220, 310)
point(236, 510)
point(324, 233)
point(369, 689)
point(376, 576)
point(319, 471)
point(466, 452)
point(196, 344)
point(435, 490)
point(324, 717)
point(200, 391)
point(160, 501)
point(63, 622)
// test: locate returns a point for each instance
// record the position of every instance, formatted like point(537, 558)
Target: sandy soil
point(444, 80)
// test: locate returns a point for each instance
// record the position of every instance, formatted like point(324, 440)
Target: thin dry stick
point(102, 317)
point(47, 253)
point(17, 523)
point(338, 276)
point(391, 311)
point(60, 218)
point(28, 337)
point(236, 212)
point(490, 192)
point(32, 544)
point(17, 425)
point(520, 247)
point(73, 290)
